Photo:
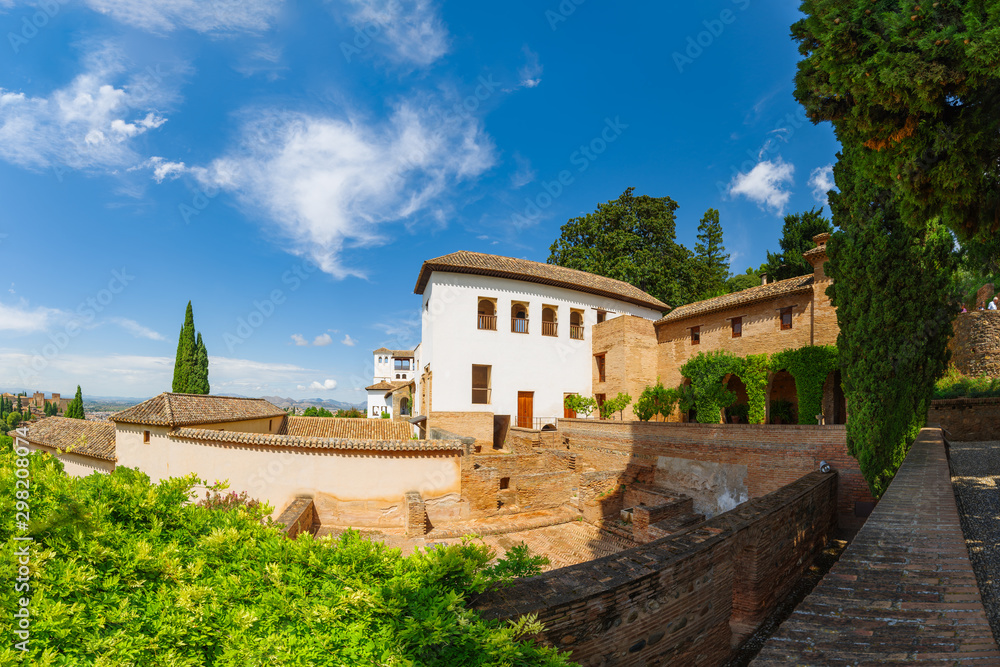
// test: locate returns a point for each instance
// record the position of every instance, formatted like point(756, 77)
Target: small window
point(601, 316)
point(599, 358)
point(145, 437)
point(737, 324)
point(402, 364)
point(481, 384)
point(696, 335)
point(487, 318)
point(504, 483)
point(269, 425)
point(786, 318)
point(576, 324)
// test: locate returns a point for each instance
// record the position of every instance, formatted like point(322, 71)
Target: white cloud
point(322, 340)
point(328, 385)
point(765, 184)
point(299, 340)
point(136, 329)
point(412, 28)
point(524, 173)
point(21, 319)
point(90, 123)
point(348, 341)
point(821, 181)
point(328, 184)
point(530, 74)
point(206, 16)
point(163, 169)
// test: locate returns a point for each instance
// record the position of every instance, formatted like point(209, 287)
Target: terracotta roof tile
point(404, 354)
point(188, 409)
point(741, 298)
point(347, 428)
point(535, 272)
point(95, 439)
point(275, 440)
point(381, 386)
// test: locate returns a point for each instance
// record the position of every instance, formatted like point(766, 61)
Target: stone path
point(975, 470)
point(904, 592)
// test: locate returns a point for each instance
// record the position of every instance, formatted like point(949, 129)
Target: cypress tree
point(186, 362)
point(75, 408)
point(711, 262)
point(199, 384)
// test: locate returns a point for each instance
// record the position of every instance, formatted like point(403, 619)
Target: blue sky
point(288, 166)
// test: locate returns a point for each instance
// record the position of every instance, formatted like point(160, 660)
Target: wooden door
point(567, 413)
point(525, 408)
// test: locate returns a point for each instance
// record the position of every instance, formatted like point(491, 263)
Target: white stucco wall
point(73, 464)
point(377, 403)
point(278, 475)
point(548, 366)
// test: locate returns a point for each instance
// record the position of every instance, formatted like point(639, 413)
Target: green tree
point(796, 238)
point(13, 419)
point(892, 287)
point(913, 88)
point(191, 362)
point(710, 263)
point(581, 405)
point(616, 404)
point(74, 410)
point(199, 384)
point(19, 403)
point(633, 239)
point(743, 281)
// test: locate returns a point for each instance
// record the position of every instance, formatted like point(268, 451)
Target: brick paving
point(904, 592)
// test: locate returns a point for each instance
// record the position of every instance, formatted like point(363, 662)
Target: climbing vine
point(753, 371)
point(706, 372)
point(810, 367)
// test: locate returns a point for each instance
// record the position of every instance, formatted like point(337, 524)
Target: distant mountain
point(304, 403)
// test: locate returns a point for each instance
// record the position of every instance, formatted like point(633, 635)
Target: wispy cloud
point(326, 385)
point(821, 181)
point(348, 341)
point(205, 16)
point(136, 329)
point(328, 183)
point(766, 184)
point(20, 318)
point(89, 124)
point(524, 174)
point(300, 340)
point(412, 29)
point(530, 74)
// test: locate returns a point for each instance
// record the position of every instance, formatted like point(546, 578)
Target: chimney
point(817, 256)
point(763, 279)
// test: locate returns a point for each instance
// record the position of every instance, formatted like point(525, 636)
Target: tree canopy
point(191, 363)
point(711, 263)
point(796, 237)
point(74, 409)
point(914, 88)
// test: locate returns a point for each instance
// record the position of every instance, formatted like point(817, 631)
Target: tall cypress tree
point(187, 353)
point(711, 263)
point(75, 408)
point(200, 384)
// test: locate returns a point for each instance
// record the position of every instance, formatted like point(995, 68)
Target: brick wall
point(970, 419)
point(299, 517)
point(478, 425)
point(540, 480)
point(774, 455)
point(414, 514)
point(682, 600)
point(629, 347)
point(975, 347)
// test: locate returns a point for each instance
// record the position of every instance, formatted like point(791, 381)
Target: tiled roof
point(188, 409)
point(273, 440)
point(399, 384)
point(535, 272)
point(347, 428)
point(381, 386)
point(95, 439)
point(741, 298)
point(403, 354)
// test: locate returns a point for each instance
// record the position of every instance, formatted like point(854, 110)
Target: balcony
point(519, 325)
point(550, 328)
point(487, 323)
point(576, 332)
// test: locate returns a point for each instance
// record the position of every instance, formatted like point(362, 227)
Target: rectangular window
point(696, 335)
point(481, 384)
point(402, 364)
point(737, 324)
point(599, 358)
point(601, 316)
point(145, 437)
point(786, 318)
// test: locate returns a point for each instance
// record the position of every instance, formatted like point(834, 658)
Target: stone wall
point(681, 600)
point(299, 517)
point(969, 419)
point(773, 455)
point(975, 347)
point(414, 514)
point(505, 483)
point(629, 347)
point(478, 425)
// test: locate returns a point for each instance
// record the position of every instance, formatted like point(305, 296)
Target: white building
point(393, 369)
point(505, 340)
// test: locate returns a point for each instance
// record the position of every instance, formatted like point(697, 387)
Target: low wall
point(686, 599)
point(510, 482)
point(772, 455)
point(975, 347)
point(299, 517)
point(967, 419)
point(478, 425)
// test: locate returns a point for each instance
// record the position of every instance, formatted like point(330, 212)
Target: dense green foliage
point(956, 385)
point(616, 404)
point(656, 400)
point(743, 281)
point(313, 411)
point(892, 286)
point(74, 409)
point(7, 410)
point(51, 409)
point(710, 262)
point(581, 405)
point(633, 239)
point(191, 363)
point(912, 88)
point(706, 371)
point(810, 366)
point(125, 572)
point(796, 237)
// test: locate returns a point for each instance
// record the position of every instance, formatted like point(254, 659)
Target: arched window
point(549, 323)
point(519, 318)
point(576, 325)
point(487, 318)
point(404, 406)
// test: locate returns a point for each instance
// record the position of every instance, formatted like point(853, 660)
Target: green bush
point(616, 404)
point(956, 385)
point(739, 410)
point(656, 400)
point(581, 405)
point(126, 572)
point(782, 412)
point(810, 367)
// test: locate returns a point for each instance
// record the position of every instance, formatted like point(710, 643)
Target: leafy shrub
point(616, 404)
point(782, 412)
point(313, 411)
point(581, 405)
point(656, 400)
point(810, 367)
point(127, 572)
point(954, 384)
point(739, 410)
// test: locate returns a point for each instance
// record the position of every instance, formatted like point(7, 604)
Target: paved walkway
point(904, 591)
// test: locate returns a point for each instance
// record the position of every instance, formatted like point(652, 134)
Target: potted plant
point(782, 412)
point(739, 413)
